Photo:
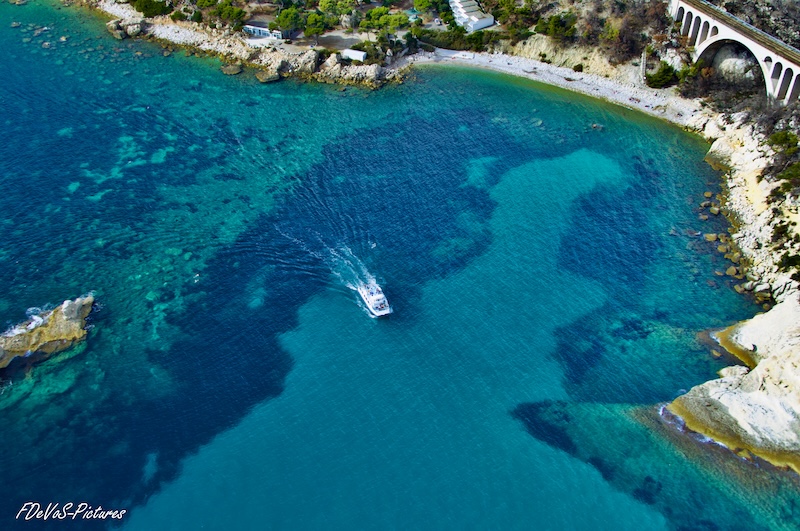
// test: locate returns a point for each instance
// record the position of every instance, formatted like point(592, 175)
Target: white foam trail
point(348, 268)
point(345, 267)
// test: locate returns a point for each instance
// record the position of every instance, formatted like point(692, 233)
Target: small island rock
point(49, 332)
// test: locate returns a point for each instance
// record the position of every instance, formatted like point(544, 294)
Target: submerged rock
point(232, 70)
point(48, 332)
point(268, 76)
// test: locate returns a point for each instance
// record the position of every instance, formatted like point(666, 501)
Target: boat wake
point(347, 269)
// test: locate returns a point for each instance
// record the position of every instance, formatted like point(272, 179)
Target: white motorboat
point(373, 297)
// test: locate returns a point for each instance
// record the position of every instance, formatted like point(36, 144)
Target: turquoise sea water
point(233, 380)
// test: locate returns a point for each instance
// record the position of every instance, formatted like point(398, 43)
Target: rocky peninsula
point(48, 332)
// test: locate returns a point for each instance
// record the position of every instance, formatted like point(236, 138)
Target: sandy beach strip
point(662, 103)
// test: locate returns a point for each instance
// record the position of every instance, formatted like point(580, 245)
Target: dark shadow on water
point(394, 209)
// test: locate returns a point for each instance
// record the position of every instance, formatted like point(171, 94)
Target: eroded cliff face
point(593, 60)
point(47, 333)
point(756, 408)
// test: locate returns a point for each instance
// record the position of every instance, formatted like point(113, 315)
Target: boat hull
point(374, 299)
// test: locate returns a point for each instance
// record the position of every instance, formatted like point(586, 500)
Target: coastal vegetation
point(152, 8)
point(456, 38)
point(777, 17)
point(289, 19)
point(663, 77)
point(379, 18)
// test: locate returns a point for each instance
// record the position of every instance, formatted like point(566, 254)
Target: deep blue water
point(232, 379)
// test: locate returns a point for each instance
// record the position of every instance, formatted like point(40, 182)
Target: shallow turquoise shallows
point(539, 250)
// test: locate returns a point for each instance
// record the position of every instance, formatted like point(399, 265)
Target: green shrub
point(152, 8)
point(225, 10)
point(197, 16)
point(663, 77)
point(206, 3)
point(178, 15)
point(456, 38)
point(516, 35)
point(791, 180)
point(780, 232)
point(784, 142)
point(578, 67)
point(559, 27)
point(789, 261)
point(791, 173)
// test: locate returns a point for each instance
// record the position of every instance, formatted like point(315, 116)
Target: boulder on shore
point(116, 30)
point(48, 332)
point(307, 62)
point(133, 28)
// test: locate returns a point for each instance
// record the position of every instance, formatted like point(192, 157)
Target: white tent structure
point(468, 15)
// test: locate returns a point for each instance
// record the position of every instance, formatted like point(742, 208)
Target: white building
point(468, 15)
point(354, 55)
point(258, 31)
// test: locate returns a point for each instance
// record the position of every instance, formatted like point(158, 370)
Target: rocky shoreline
point(754, 408)
point(272, 63)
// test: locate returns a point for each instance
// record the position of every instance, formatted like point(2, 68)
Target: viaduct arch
point(707, 27)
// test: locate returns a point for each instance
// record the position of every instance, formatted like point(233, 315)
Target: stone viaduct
point(708, 28)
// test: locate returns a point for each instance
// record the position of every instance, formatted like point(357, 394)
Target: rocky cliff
point(48, 332)
point(756, 408)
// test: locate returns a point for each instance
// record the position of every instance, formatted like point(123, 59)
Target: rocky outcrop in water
point(122, 28)
point(232, 70)
point(48, 332)
point(757, 409)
